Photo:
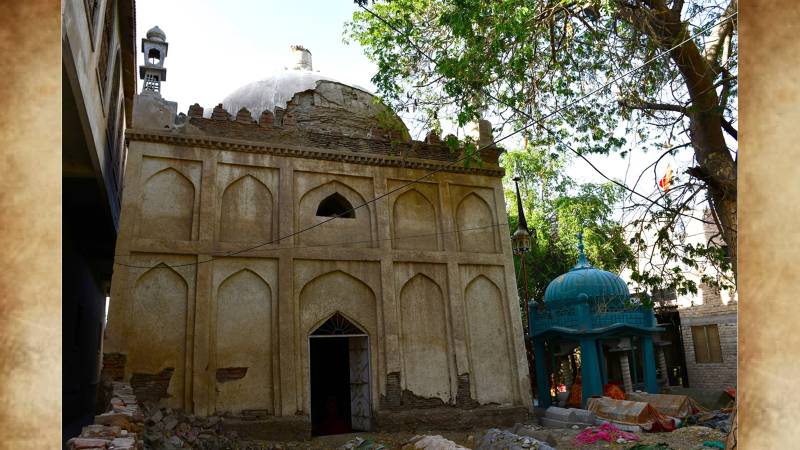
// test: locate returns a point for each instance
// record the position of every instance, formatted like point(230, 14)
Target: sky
point(217, 46)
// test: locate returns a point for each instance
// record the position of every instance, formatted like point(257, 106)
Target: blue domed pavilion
point(592, 309)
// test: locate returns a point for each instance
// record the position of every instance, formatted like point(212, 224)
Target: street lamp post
point(521, 244)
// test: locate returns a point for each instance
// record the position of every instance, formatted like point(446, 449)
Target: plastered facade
point(208, 284)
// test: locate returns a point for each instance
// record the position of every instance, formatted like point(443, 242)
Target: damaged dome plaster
point(236, 293)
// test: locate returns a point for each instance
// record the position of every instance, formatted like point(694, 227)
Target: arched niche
point(244, 343)
point(338, 230)
point(414, 222)
point(488, 342)
point(476, 225)
point(337, 291)
point(423, 339)
point(158, 336)
point(167, 206)
point(246, 212)
point(326, 295)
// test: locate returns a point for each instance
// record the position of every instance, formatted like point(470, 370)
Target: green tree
point(556, 209)
point(519, 60)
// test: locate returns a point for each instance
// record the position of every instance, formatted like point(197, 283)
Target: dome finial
point(301, 58)
point(583, 262)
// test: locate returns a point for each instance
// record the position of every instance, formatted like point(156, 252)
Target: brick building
point(700, 342)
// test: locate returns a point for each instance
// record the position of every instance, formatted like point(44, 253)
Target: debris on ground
point(358, 443)
point(536, 432)
point(658, 446)
point(496, 439)
point(607, 432)
point(430, 443)
point(168, 429)
point(717, 420)
point(118, 428)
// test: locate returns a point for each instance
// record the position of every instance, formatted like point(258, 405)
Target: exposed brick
point(463, 395)
point(393, 397)
point(432, 138)
point(151, 387)
point(267, 119)
point(114, 366)
point(413, 401)
point(220, 113)
point(196, 111)
point(244, 116)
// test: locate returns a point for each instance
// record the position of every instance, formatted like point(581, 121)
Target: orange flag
point(666, 181)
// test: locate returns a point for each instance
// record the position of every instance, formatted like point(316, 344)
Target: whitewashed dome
point(277, 89)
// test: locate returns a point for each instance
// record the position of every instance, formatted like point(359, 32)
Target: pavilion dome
point(584, 278)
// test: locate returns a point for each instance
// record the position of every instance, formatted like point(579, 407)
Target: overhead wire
point(559, 110)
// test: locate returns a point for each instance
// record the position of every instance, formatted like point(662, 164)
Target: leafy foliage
point(520, 61)
point(556, 208)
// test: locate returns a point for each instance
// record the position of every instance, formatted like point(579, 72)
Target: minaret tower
point(154, 48)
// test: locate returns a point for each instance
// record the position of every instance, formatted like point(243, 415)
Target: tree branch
point(728, 127)
point(719, 34)
point(653, 106)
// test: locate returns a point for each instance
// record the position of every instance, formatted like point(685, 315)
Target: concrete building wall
point(438, 304)
point(97, 89)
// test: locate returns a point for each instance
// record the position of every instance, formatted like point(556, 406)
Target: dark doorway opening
point(340, 378)
point(330, 386)
point(669, 318)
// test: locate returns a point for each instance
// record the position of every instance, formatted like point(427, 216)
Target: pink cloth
point(606, 432)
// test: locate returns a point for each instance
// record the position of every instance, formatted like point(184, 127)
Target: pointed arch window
point(335, 205)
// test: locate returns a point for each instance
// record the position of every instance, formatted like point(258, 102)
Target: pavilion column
point(542, 387)
point(590, 370)
point(650, 381)
point(568, 378)
point(662, 364)
point(626, 371)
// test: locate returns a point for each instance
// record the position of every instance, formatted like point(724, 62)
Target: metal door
point(360, 412)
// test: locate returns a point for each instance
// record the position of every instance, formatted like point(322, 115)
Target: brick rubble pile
point(119, 428)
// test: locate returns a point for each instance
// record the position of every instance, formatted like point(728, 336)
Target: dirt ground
point(689, 438)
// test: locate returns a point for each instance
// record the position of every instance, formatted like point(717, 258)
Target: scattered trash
point(607, 432)
point(714, 444)
point(717, 420)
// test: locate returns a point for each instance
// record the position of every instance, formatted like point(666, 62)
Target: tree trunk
point(716, 167)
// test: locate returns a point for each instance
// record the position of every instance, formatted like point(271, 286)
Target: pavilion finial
point(583, 262)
